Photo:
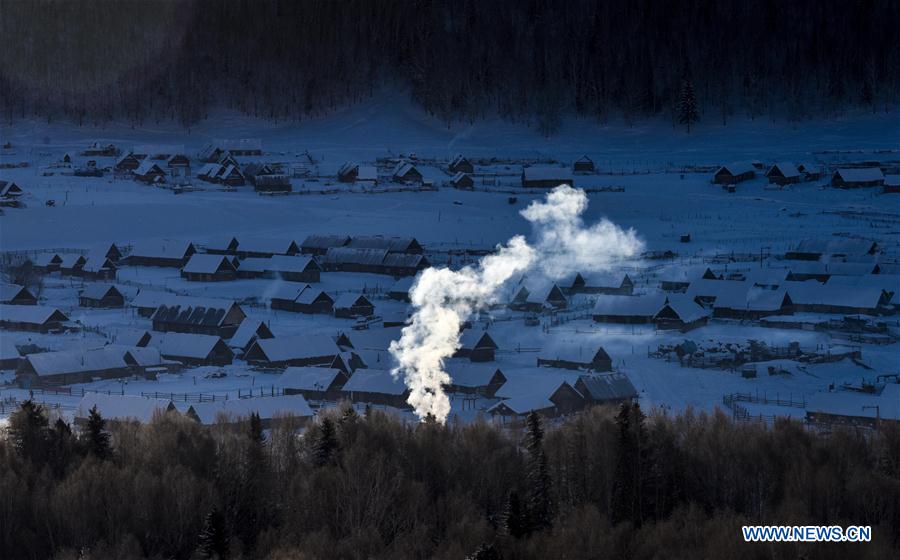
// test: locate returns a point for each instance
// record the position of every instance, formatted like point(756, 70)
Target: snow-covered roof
point(685, 308)
point(534, 381)
point(325, 241)
point(576, 354)
point(184, 345)
point(71, 260)
point(284, 263)
point(472, 338)
point(245, 333)
point(310, 295)
point(629, 306)
point(153, 299)
point(96, 264)
point(403, 260)
point(286, 348)
point(754, 299)
point(892, 180)
point(267, 245)
point(787, 169)
point(737, 168)
point(194, 313)
point(846, 403)
point(307, 378)
point(122, 407)
point(522, 404)
point(349, 255)
point(166, 249)
point(9, 292)
point(609, 386)
point(375, 381)
point(402, 168)
point(703, 287)
point(815, 293)
point(390, 244)
point(350, 299)
point(205, 263)
point(468, 374)
point(32, 314)
point(99, 291)
point(113, 356)
point(266, 407)
point(375, 339)
point(148, 166)
point(403, 285)
point(860, 174)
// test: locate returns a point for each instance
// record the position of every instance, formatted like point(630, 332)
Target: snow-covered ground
point(654, 187)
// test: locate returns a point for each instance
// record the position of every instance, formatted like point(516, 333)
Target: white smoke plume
point(444, 298)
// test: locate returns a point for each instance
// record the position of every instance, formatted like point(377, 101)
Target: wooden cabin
point(783, 174)
point(204, 267)
point(857, 178)
point(101, 296)
point(351, 305)
point(576, 359)
point(477, 346)
point(733, 173)
point(460, 164)
point(583, 164)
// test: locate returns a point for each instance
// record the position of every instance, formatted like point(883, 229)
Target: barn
point(164, 253)
point(35, 318)
point(734, 173)
point(319, 244)
point(301, 298)
point(477, 346)
point(546, 177)
point(81, 366)
point(349, 305)
point(149, 172)
point(857, 178)
point(230, 175)
point(14, 294)
point(203, 267)
point(408, 245)
point(314, 383)
point(269, 409)
point(459, 164)
point(127, 163)
point(293, 268)
point(198, 316)
point(273, 183)
point(783, 174)
point(627, 309)
point(462, 181)
point(474, 379)
point(266, 247)
point(72, 264)
point(752, 303)
point(376, 386)
point(583, 164)
point(814, 297)
point(605, 389)
point(299, 350)
point(246, 334)
point(101, 295)
point(553, 399)
point(680, 313)
point(193, 349)
point(406, 173)
point(575, 359)
point(98, 268)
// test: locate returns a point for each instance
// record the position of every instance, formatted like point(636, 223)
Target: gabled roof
point(149, 166)
point(534, 381)
point(281, 349)
point(186, 345)
point(308, 378)
point(325, 241)
point(100, 291)
point(629, 306)
point(285, 263)
point(152, 299)
point(375, 381)
point(467, 374)
point(109, 357)
point(814, 293)
point(350, 299)
point(403, 168)
point(470, 339)
point(268, 245)
point(266, 407)
point(576, 354)
point(612, 386)
point(248, 329)
point(187, 312)
point(390, 244)
point(685, 308)
point(860, 175)
point(31, 314)
point(9, 189)
point(349, 255)
point(787, 169)
point(205, 263)
point(123, 407)
point(162, 249)
point(9, 292)
point(737, 168)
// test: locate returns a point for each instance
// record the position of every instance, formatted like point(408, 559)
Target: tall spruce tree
point(326, 443)
point(687, 105)
point(515, 518)
point(540, 506)
point(96, 438)
point(29, 433)
point(213, 540)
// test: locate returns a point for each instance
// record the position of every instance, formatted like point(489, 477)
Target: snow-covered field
point(654, 184)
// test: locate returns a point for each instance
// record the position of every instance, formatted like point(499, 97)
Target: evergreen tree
point(62, 446)
point(627, 499)
point(485, 552)
point(326, 443)
point(95, 436)
point(213, 538)
point(540, 507)
point(255, 431)
point(687, 105)
point(29, 433)
point(515, 520)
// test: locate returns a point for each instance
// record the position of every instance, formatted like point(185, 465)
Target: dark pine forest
point(528, 60)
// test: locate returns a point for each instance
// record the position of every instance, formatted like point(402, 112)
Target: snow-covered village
point(377, 292)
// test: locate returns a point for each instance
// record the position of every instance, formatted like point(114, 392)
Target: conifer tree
point(213, 538)
point(29, 433)
point(687, 105)
point(326, 443)
point(540, 507)
point(95, 436)
point(515, 520)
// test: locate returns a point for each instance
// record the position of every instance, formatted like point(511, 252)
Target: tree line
point(530, 61)
point(611, 482)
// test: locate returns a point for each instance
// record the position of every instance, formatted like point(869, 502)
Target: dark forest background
point(530, 60)
point(609, 483)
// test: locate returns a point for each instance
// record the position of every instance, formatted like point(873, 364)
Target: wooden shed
point(575, 359)
point(732, 173)
point(101, 296)
point(350, 305)
point(204, 267)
